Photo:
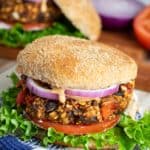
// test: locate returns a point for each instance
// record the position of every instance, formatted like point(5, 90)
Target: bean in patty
point(51, 106)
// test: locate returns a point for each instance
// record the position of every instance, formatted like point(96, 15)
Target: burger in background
point(33, 15)
point(22, 21)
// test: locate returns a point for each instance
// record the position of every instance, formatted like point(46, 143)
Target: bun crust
point(82, 15)
point(69, 62)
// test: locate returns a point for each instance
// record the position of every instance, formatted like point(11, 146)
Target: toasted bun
point(82, 15)
point(69, 62)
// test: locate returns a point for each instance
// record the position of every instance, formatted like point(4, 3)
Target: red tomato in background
point(141, 27)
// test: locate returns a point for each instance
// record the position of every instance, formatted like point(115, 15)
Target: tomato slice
point(141, 27)
point(34, 26)
point(20, 97)
point(27, 26)
point(78, 129)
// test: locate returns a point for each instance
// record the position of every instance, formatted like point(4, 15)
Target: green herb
point(17, 37)
point(126, 135)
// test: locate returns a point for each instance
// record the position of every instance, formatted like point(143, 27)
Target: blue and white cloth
point(10, 142)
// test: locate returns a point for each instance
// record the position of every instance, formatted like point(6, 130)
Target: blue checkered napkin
point(12, 143)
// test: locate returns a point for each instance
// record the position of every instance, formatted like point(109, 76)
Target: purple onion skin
point(115, 23)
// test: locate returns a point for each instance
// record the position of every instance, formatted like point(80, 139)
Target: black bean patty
point(28, 12)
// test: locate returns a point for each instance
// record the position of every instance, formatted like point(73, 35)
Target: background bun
point(82, 15)
point(69, 62)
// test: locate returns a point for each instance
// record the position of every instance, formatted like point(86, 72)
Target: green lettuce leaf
point(17, 37)
point(14, 78)
point(139, 131)
point(126, 135)
point(9, 96)
point(11, 119)
point(12, 122)
point(114, 137)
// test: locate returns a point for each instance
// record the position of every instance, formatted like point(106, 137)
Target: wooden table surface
point(6, 64)
point(125, 41)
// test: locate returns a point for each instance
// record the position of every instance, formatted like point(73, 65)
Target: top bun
point(69, 62)
point(82, 15)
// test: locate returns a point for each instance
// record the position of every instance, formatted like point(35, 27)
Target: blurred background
point(125, 25)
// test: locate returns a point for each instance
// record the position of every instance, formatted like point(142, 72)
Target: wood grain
point(124, 41)
point(128, 44)
point(9, 53)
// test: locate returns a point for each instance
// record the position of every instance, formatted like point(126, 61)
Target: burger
point(76, 91)
point(22, 21)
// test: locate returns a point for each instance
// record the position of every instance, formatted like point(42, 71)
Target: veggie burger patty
point(28, 12)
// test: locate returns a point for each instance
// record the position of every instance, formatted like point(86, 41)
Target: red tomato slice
point(141, 27)
point(78, 129)
point(26, 27)
point(34, 26)
point(20, 97)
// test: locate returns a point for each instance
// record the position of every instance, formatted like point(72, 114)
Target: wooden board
point(126, 42)
point(9, 53)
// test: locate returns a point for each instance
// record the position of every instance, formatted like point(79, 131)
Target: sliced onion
point(4, 25)
point(117, 14)
point(40, 91)
point(93, 93)
point(49, 94)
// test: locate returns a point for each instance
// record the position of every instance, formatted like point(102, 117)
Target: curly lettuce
point(126, 135)
point(12, 120)
point(17, 37)
point(138, 131)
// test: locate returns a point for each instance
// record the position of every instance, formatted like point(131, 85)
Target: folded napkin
point(10, 142)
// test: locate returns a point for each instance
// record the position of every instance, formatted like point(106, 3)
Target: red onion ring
point(40, 91)
point(93, 93)
point(49, 94)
